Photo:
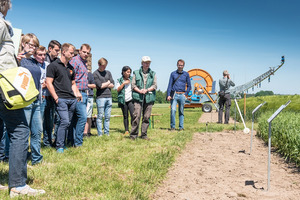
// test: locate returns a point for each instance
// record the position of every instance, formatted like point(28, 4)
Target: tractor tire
point(207, 108)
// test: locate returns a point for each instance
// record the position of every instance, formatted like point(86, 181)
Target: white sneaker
point(27, 190)
point(2, 187)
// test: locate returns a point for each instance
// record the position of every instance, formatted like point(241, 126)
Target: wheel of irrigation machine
point(206, 108)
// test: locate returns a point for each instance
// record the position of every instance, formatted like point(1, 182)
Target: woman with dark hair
point(125, 96)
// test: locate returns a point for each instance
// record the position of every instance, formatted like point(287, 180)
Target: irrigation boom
point(236, 91)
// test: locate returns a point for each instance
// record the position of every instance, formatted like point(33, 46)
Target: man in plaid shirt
point(81, 80)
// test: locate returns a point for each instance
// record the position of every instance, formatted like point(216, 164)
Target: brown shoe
point(132, 138)
point(145, 138)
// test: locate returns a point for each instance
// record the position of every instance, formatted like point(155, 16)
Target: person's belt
point(85, 91)
point(179, 92)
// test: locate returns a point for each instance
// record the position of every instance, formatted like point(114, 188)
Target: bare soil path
point(219, 166)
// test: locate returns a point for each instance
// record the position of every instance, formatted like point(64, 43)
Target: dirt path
point(218, 166)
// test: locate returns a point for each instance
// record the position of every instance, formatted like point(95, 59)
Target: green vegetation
point(273, 103)
point(285, 127)
point(113, 167)
point(285, 131)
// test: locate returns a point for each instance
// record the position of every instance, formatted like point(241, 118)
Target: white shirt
point(128, 91)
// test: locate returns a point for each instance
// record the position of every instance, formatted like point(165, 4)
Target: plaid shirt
point(81, 73)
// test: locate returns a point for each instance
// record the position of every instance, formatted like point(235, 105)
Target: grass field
point(112, 167)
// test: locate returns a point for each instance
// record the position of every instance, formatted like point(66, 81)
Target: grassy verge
point(111, 167)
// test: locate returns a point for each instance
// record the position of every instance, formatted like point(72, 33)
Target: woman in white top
point(125, 96)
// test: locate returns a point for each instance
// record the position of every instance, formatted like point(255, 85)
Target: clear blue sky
point(246, 37)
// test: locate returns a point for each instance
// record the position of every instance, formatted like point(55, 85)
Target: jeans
point(2, 142)
point(78, 121)
point(140, 107)
point(48, 123)
point(34, 119)
point(103, 107)
point(178, 99)
point(227, 102)
point(128, 106)
point(65, 109)
point(18, 133)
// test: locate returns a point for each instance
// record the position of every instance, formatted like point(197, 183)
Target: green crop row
point(285, 133)
point(272, 104)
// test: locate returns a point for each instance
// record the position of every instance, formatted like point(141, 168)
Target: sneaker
point(126, 133)
point(27, 190)
point(60, 150)
point(2, 187)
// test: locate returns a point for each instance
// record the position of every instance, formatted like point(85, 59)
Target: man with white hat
point(225, 84)
point(144, 85)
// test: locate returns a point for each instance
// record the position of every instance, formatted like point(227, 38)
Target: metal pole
point(269, 156)
point(246, 130)
point(269, 141)
point(255, 109)
point(244, 104)
point(235, 118)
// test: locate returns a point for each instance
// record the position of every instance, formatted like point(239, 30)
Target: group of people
point(63, 109)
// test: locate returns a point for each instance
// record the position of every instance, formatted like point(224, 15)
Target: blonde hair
point(86, 46)
point(40, 48)
point(66, 46)
point(26, 39)
point(102, 61)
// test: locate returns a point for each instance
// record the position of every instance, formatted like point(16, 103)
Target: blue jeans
point(34, 119)
point(3, 140)
point(18, 133)
point(65, 109)
point(48, 115)
point(103, 107)
point(79, 120)
point(178, 99)
point(4, 144)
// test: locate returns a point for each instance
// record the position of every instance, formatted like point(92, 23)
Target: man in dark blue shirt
point(178, 88)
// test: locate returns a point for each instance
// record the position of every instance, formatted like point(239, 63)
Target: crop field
point(285, 127)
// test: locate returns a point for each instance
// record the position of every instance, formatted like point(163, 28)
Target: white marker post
point(256, 109)
point(269, 142)
point(246, 130)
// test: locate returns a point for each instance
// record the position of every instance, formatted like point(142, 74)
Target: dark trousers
point(65, 109)
point(128, 106)
point(18, 133)
point(139, 109)
point(224, 101)
point(48, 121)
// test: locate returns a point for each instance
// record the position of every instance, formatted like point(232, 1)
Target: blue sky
point(246, 37)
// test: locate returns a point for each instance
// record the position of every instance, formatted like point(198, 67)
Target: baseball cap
point(146, 59)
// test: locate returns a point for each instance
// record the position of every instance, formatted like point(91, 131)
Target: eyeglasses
point(31, 45)
point(180, 65)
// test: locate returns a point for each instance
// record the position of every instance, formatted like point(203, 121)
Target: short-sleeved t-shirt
point(91, 81)
point(62, 78)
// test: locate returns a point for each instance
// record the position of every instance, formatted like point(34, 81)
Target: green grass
point(113, 167)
